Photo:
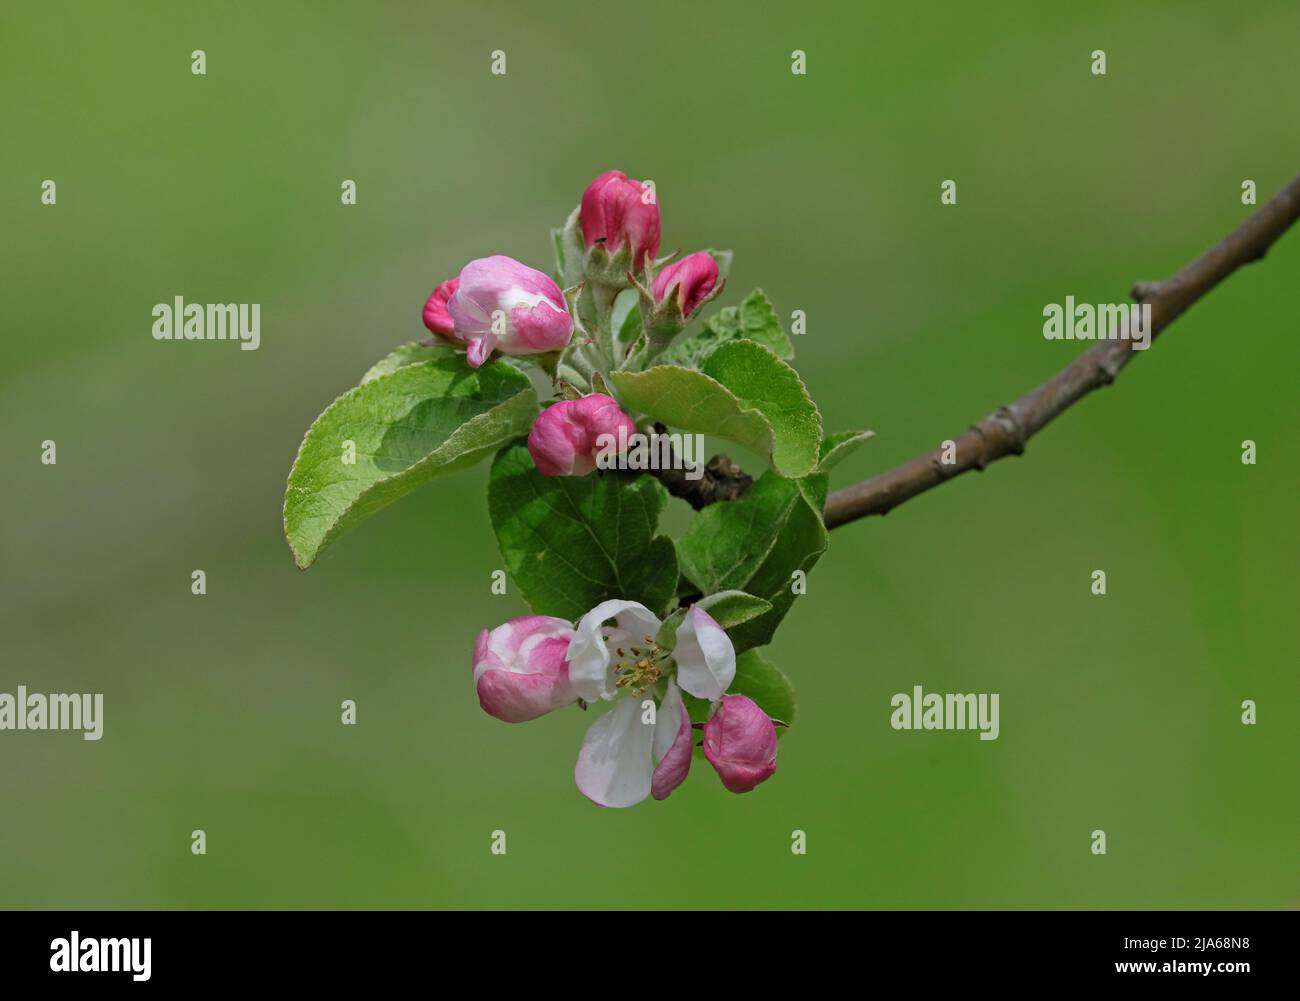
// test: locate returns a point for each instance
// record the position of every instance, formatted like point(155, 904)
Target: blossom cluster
point(620, 652)
point(496, 304)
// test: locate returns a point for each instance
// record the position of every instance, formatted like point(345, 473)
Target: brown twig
point(720, 479)
point(1006, 430)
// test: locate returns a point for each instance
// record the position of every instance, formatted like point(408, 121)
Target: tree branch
point(720, 480)
point(1006, 430)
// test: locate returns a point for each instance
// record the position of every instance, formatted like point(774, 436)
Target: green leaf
point(839, 446)
point(743, 393)
point(755, 544)
point(756, 678)
point(728, 609)
point(815, 487)
point(629, 325)
point(835, 449)
point(569, 250)
point(571, 542)
point(557, 245)
point(731, 608)
point(723, 259)
point(764, 682)
point(754, 319)
point(414, 423)
point(411, 353)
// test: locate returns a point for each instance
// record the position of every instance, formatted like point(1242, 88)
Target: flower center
point(638, 667)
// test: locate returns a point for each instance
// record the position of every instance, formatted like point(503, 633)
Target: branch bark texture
point(1005, 431)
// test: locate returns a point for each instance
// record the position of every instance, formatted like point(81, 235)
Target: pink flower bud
point(693, 277)
point(520, 669)
point(567, 436)
point(621, 213)
point(500, 304)
point(740, 743)
point(436, 317)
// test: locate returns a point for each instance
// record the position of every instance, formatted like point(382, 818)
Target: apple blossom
point(520, 670)
point(613, 325)
point(692, 278)
point(740, 743)
point(618, 212)
point(634, 751)
point(630, 752)
point(500, 304)
point(565, 437)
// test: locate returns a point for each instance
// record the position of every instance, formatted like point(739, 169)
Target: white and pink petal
point(706, 659)
point(614, 767)
point(673, 744)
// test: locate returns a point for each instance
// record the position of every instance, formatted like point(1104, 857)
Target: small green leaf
point(743, 393)
point(629, 326)
point(411, 353)
point(731, 608)
point(666, 638)
point(839, 446)
point(407, 426)
point(557, 245)
point(723, 259)
point(754, 319)
point(835, 449)
point(569, 250)
point(571, 542)
point(814, 488)
point(727, 608)
point(755, 544)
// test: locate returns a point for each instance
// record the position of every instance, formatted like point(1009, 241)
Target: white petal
point(634, 619)
point(614, 766)
point(591, 669)
point(706, 660)
point(670, 715)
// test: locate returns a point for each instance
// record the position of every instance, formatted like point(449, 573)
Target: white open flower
point(599, 651)
point(636, 750)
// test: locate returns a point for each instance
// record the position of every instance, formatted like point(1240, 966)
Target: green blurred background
point(222, 712)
